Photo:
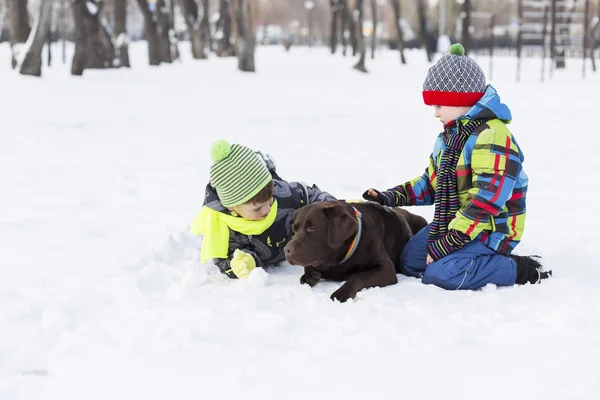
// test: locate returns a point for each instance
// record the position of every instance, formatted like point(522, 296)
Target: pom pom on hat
point(457, 49)
point(220, 150)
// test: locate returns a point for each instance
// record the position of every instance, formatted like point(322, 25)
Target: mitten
point(242, 263)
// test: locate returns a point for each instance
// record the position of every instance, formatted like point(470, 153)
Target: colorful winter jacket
point(267, 247)
point(491, 181)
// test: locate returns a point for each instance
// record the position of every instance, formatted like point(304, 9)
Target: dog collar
point(356, 240)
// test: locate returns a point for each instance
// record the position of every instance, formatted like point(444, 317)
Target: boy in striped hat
point(476, 181)
point(247, 212)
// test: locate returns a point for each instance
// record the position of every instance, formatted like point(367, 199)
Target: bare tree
point(374, 33)
point(336, 13)
point(156, 27)
point(245, 39)
point(224, 29)
point(423, 31)
point(348, 25)
point(18, 26)
point(121, 32)
point(398, 29)
point(30, 58)
point(206, 24)
point(466, 23)
point(344, 15)
point(93, 44)
point(360, 38)
point(197, 24)
point(594, 30)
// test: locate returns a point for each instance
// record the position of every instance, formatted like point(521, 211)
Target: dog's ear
point(342, 225)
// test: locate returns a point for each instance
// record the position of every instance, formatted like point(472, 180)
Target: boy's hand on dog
point(374, 195)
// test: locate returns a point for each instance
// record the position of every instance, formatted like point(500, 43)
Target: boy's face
point(447, 113)
point(253, 211)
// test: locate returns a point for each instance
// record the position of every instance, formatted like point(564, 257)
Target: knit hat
point(455, 80)
point(237, 174)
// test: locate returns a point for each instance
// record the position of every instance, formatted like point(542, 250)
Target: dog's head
point(320, 233)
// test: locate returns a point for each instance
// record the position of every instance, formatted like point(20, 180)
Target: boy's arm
point(495, 164)
point(315, 194)
point(270, 164)
point(416, 192)
point(240, 261)
point(305, 194)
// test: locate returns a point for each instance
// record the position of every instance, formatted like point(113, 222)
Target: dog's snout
point(289, 249)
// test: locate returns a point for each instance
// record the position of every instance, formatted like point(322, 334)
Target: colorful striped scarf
point(446, 193)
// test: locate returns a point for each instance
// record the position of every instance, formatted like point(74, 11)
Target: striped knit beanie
point(455, 80)
point(237, 173)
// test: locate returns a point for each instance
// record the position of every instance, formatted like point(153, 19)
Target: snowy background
point(102, 295)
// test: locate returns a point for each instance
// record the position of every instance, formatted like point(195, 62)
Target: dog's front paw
point(343, 294)
point(311, 278)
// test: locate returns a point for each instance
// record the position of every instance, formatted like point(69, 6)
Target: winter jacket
point(491, 182)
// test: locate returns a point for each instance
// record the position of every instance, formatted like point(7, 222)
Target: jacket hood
point(490, 106)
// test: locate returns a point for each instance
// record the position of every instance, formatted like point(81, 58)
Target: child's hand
point(374, 195)
point(429, 259)
point(242, 263)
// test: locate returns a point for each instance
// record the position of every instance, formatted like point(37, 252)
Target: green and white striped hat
point(237, 174)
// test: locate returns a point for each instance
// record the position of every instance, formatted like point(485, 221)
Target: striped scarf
point(446, 193)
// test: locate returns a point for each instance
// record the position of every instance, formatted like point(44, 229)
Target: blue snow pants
point(471, 267)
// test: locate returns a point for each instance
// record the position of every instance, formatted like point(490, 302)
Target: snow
point(92, 7)
point(102, 294)
point(122, 40)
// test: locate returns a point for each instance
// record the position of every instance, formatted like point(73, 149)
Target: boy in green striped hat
point(247, 212)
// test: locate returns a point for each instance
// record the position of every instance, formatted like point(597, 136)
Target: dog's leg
point(311, 276)
point(383, 273)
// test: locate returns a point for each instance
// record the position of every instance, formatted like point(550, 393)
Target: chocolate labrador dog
point(359, 243)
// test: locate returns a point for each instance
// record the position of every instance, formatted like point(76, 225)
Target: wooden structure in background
point(559, 28)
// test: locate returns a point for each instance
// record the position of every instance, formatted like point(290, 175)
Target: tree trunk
point(223, 34)
point(93, 44)
point(204, 26)
point(466, 23)
point(167, 54)
point(349, 25)
point(360, 38)
point(156, 28)
point(592, 44)
point(30, 59)
point(18, 26)
point(193, 24)
point(352, 29)
point(245, 40)
point(335, 15)
point(423, 31)
point(398, 29)
point(344, 15)
point(374, 33)
point(49, 41)
point(122, 40)
point(205, 22)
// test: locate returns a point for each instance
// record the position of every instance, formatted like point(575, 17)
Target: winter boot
point(529, 270)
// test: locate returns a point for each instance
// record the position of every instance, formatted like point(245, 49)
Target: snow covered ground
point(102, 295)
